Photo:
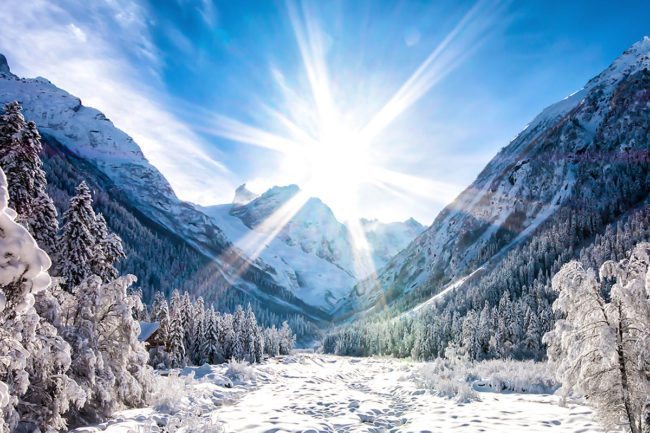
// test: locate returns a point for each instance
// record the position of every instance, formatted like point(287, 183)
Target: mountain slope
point(581, 162)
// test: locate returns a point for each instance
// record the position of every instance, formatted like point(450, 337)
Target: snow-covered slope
point(388, 239)
point(570, 155)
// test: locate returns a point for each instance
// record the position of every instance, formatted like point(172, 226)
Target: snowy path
point(316, 393)
point(320, 393)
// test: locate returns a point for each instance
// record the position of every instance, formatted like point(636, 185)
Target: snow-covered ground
point(321, 393)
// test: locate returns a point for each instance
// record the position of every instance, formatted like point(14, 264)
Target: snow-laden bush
point(516, 376)
point(170, 392)
point(447, 377)
point(240, 371)
point(194, 422)
point(458, 378)
point(445, 381)
point(185, 403)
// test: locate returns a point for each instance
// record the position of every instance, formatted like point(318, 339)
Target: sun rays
point(331, 158)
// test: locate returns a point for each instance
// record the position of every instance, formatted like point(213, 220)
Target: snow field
point(320, 393)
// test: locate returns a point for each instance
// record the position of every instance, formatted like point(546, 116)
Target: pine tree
point(20, 146)
point(199, 335)
point(210, 345)
point(176, 339)
point(187, 320)
point(241, 339)
point(108, 250)
point(228, 336)
point(77, 243)
point(255, 340)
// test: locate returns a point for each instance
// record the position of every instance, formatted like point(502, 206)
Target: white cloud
point(82, 49)
point(77, 32)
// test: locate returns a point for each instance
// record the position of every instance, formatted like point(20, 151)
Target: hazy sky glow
point(418, 95)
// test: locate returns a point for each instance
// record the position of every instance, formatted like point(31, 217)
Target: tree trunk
point(629, 411)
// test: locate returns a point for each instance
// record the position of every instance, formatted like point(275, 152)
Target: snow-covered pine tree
point(227, 336)
point(239, 350)
point(187, 320)
point(16, 160)
point(211, 349)
point(77, 244)
point(272, 341)
point(20, 145)
point(255, 340)
point(108, 248)
point(176, 336)
point(199, 335)
point(603, 348)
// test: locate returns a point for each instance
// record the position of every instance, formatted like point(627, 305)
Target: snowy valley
point(524, 306)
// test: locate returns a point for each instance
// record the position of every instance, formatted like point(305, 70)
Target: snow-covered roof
point(147, 329)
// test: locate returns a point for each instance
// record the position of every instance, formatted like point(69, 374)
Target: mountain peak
point(634, 59)
point(642, 45)
point(4, 66)
point(412, 222)
point(243, 195)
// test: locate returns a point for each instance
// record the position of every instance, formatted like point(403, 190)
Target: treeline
point(192, 333)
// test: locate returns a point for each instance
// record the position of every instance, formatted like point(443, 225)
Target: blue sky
point(191, 68)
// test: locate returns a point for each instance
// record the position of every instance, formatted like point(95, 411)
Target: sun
point(333, 167)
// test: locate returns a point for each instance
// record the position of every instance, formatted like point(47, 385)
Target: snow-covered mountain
point(582, 161)
point(312, 252)
point(243, 196)
point(388, 239)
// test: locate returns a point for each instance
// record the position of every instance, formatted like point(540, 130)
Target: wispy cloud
point(102, 52)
